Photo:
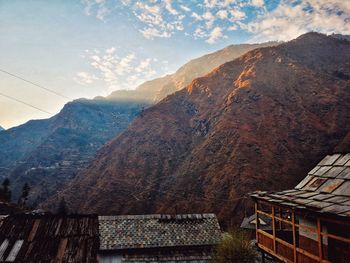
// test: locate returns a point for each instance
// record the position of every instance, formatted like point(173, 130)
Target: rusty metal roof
point(49, 238)
point(326, 188)
point(156, 231)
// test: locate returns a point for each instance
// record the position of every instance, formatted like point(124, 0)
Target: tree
point(235, 247)
point(25, 193)
point(5, 192)
point(62, 207)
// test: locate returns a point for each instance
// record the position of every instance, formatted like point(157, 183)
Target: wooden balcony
point(292, 241)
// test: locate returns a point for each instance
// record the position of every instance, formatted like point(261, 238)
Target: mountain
point(47, 153)
point(258, 122)
point(159, 88)
point(1, 128)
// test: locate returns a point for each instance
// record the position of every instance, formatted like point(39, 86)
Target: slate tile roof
point(49, 238)
point(155, 231)
point(326, 189)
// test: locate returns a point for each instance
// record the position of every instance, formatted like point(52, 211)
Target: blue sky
point(92, 47)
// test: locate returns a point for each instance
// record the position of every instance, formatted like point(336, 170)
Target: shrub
point(235, 247)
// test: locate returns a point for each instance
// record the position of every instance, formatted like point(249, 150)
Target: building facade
point(310, 223)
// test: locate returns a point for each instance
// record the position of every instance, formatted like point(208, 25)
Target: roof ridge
point(159, 216)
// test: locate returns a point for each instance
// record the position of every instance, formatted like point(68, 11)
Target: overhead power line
point(34, 84)
point(25, 103)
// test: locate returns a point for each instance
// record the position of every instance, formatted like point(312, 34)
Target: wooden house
point(158, 238)
point(310, 223)
point(49, 238)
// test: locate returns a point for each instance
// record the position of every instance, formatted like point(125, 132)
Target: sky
point(87, 48)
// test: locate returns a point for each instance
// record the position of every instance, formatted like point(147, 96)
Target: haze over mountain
point(159, 88)
point(258, 122)
point(48, 153)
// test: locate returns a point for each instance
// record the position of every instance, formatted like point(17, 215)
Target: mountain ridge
point(159, 88)
point(233, 131)
point(41, 151)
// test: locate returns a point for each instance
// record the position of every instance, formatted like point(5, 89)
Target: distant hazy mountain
point(159, 88)
point(1, 128)
point(258, 122)
point(49, 153)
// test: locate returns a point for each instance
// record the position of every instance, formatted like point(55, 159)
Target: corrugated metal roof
point(326, 188)
point(156, 231)
point(49, 238)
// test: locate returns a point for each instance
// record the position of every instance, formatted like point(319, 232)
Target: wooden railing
point(291, 252)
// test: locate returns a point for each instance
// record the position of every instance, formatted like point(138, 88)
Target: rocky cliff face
point(258, 122)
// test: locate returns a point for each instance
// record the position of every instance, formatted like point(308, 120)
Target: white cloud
point(214, 35)
point(196, 16)
point(151, 33)
point(200, 33)
point(257, 3)
point(160, 19)
point(237, 15)
point(84, 78)
point(117, 72)
point(222, 14)
point(201, 19)
point(169, 7)
point(210, 18)
point(288, 21)
point(98, 8)
point(185, 8)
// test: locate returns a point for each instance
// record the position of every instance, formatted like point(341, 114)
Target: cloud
point(98, 8)
point(196, 16)
point(85, 78)
point(185, 8)
point(115, 71)
point(290, 20)
point(201, 19)
point(214, 35)
point(159, 19)
point(222, 14)
point(169, 7)
point(151, 33)
point(257, 3)
point(237, 15)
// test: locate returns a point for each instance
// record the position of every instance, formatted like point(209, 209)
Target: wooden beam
point(319, 238)
point(312, 256)
point(306, 212)
point(314, 230)
point(283, 259)
point(257, 221)
point(273, 229)
point(295, 256)
point(346, 240)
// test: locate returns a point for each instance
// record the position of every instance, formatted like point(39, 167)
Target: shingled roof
point(155, 231)
point(49, 238)
point(326, 189)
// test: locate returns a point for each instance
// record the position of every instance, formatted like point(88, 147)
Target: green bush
point(235, 247)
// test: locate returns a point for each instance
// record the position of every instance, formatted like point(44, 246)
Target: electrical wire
point(35, 84)
point(25, 103)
